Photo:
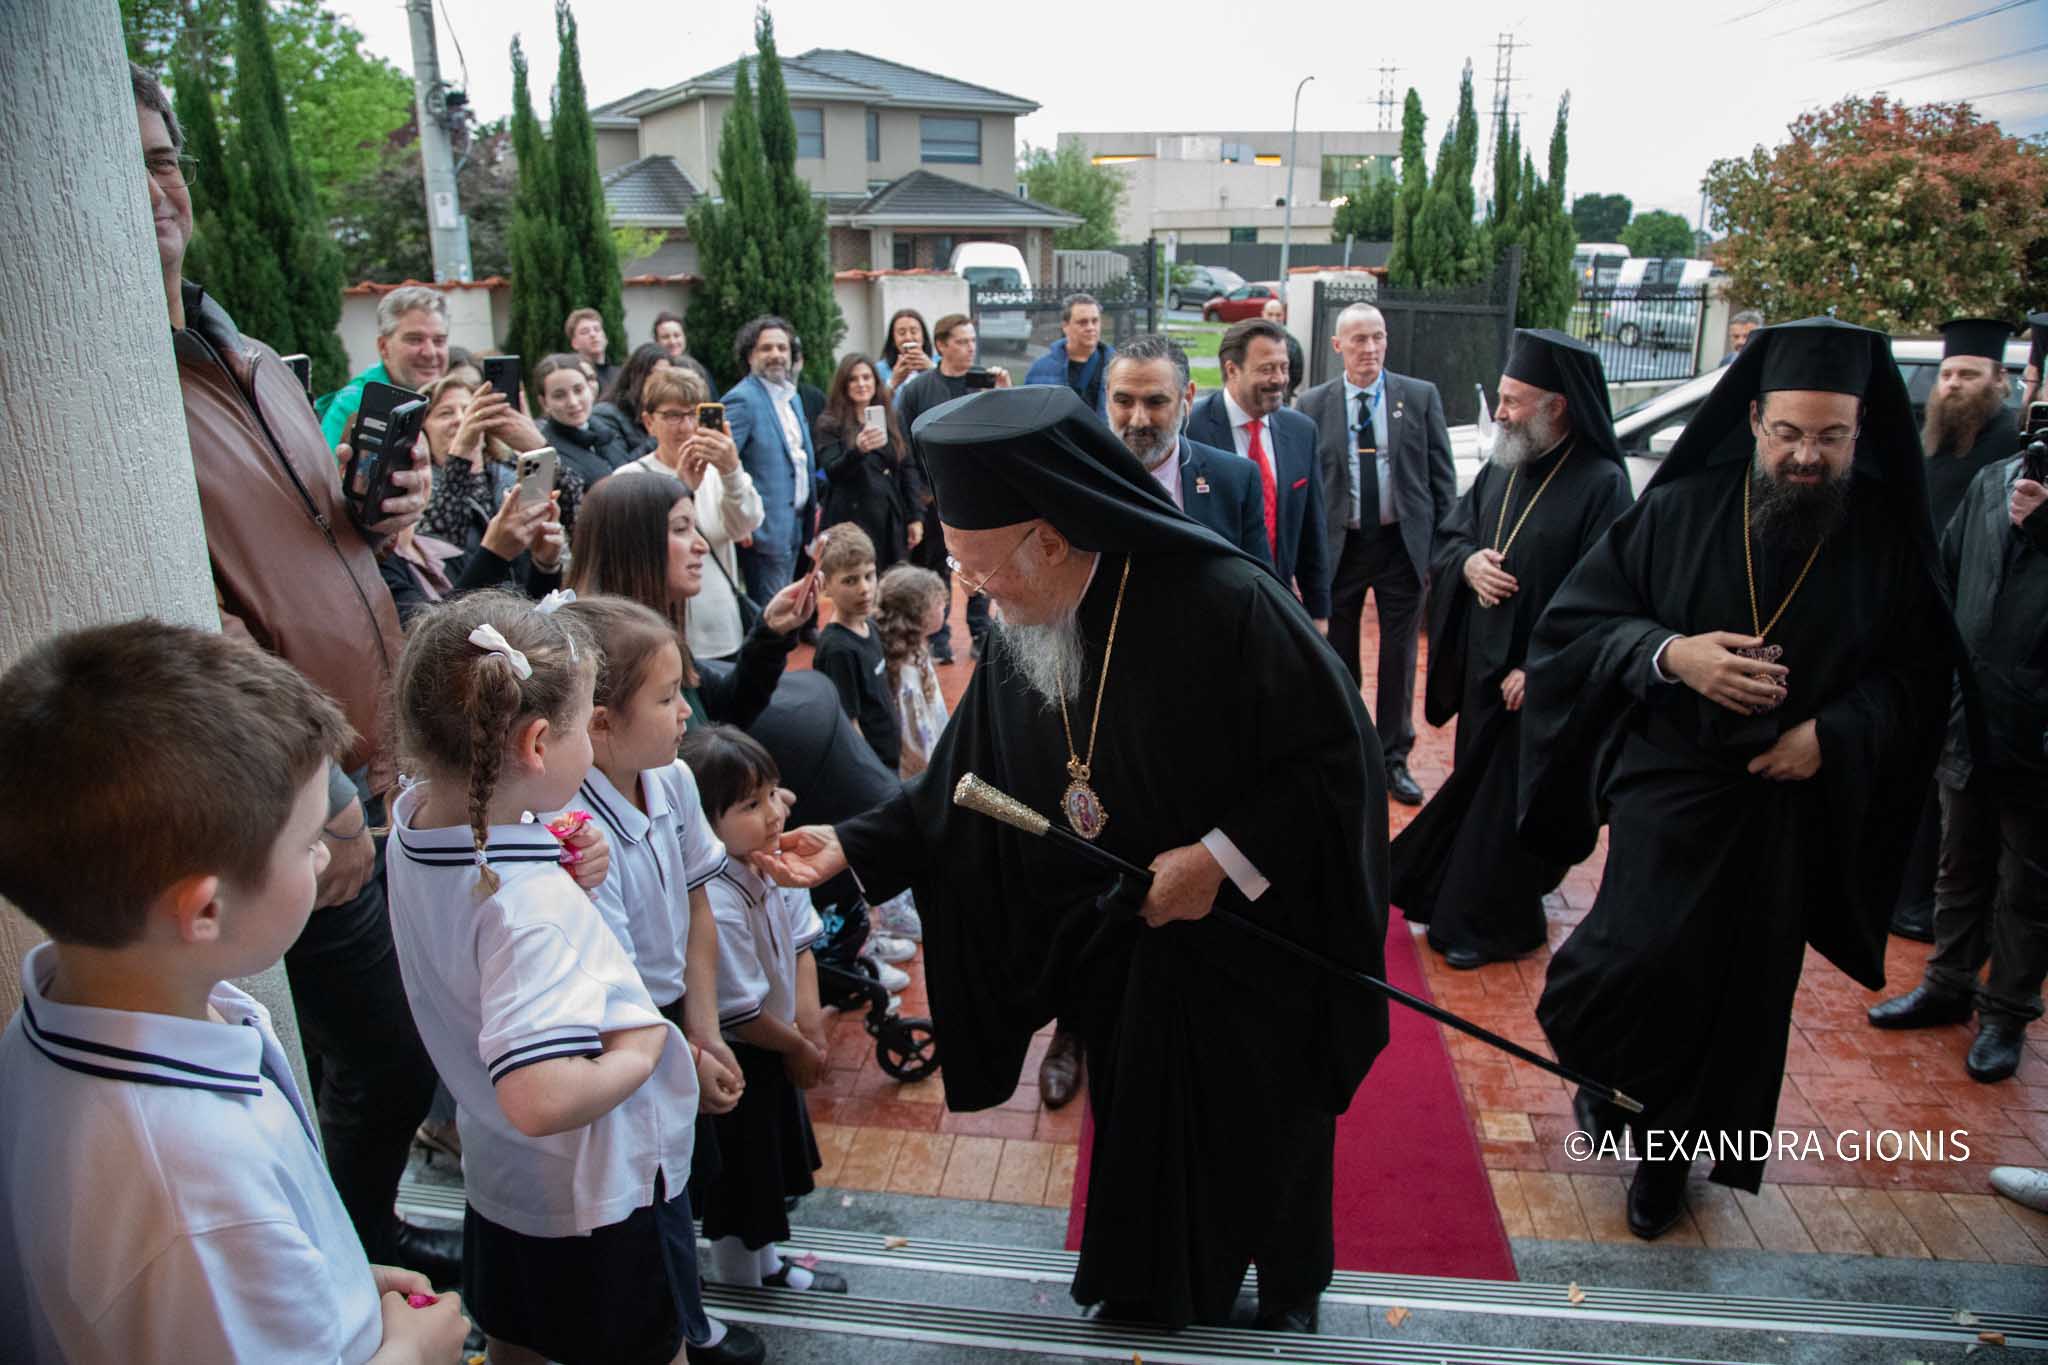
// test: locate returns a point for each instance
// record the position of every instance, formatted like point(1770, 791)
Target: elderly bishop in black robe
point(1747, 679)
point(1156, 689)
point(1553, 486)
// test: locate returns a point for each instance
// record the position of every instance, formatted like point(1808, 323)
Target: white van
point(1596, 264)
point(996, 268)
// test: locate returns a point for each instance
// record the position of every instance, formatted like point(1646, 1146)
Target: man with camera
point(412, 352)
point(295, 571)
point(1991, 897)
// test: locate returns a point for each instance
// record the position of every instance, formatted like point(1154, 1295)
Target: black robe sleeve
point(741, 695)
point(1450, 598)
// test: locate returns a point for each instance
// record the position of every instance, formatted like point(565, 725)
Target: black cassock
point(1458, 867)
point(1216, 1066)
point(1677, 987)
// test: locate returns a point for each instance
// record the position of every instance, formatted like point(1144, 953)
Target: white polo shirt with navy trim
point(659, 856)
point(162, 1193)
point(527, 974)
point(761, 929)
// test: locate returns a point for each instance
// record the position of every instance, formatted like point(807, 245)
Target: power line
point(1886, 44)
point(1830, 18)
point(2015, 90)
point(1753, 13)
point(1965, 66)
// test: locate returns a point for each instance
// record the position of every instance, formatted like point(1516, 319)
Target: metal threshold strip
point(1073, 1336)
point(1439, 1293)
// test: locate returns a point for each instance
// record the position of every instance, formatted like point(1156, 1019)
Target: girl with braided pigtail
point(567, 1080)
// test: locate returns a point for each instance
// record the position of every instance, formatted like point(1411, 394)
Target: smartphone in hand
point(387, 426)
point(711, 417)
point(537, 470)
point(980, 379)
point(501, 372)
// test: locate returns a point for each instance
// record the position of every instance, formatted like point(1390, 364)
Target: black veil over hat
point(1007, 456)
point(1561, 364)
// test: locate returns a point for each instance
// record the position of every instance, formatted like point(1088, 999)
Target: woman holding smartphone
point(871, 480)
point(728, 505)
point(906, 351)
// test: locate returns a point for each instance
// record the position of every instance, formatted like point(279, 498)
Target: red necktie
point(1270, 488)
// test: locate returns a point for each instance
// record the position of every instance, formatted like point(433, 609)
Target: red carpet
point(1412, 1195)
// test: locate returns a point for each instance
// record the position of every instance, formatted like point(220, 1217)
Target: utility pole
point(1287, 214)
point(438, 107)
point(1503, 103)
point(1386, 99)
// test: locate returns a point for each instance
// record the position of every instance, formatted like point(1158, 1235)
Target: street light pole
point(1287, 211)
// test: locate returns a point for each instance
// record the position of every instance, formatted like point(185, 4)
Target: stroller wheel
point(907, 1049)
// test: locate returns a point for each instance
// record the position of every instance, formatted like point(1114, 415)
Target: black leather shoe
point(434, 1252)
point(1059, 1075)
point(737, 1347)
point(1920, 1007)
point(1401, 786)
point(822, 1281)
point(1656, 1197)
point(1465, 959)
point(1302, 1318)
point(1996, 1053)
point(1915, 921)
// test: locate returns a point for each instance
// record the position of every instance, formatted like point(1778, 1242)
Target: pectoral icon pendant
point(1763, 654)
point(1082, 807)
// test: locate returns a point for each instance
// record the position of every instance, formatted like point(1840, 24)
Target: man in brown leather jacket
point(293, 572)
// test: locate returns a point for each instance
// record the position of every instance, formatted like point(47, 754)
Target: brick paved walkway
point(1843, 1078)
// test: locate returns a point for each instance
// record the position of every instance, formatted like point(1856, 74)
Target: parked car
point(998, 272)
point(1245, 301)
point(1647, 305)
point(1647, 430)
point(1200, 283)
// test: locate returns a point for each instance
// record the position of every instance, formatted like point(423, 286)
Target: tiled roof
point(615, 111)
point(654, 188)
point(921, 195)
point(908, 85)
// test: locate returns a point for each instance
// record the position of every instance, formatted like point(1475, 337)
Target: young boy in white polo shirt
point(163, 791)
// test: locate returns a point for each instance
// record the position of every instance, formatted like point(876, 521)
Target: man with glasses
point(1747, 678)
point(1157, 690)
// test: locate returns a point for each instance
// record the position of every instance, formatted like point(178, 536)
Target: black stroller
point(835, 775)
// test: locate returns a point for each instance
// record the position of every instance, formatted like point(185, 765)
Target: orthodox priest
point(1967, 427)
point(1155, 689)
point(1747, 678)
point(1554, 484)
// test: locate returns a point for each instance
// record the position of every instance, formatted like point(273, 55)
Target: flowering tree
point(1891, 215)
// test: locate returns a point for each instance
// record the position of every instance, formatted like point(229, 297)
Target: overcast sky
point(1658, 91)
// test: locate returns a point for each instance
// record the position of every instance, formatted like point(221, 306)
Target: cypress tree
point(1445, 248)
point(533, 241)
point(292, 282)
point(216, 242)
point(799, 261)
point(1414, 190)
point(1548, 237)
point(730, 232)
point(590, 260)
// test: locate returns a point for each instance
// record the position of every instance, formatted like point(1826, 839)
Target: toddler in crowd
point(911, 608)
point(849, 651)
point(768, 1006)
point(575, 1098)
point(162, 1193)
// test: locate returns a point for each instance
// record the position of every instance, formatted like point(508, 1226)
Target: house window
point(906, 253)
point(954, 141)
point(1244, 234)
point(874, 136)
point(1349, 175)
point(810, 133)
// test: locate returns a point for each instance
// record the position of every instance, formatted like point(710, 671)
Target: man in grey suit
point(1387, 480)
point(1147, 394)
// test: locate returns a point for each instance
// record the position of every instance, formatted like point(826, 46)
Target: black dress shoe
point(434, 1252)
point(1301, 1318)
point(1656, 1197)
point(822, 1281)
point(1920, 1007)
point(1996, 1053)
point(1465, 959)
point(1401, 786)
point(1059, 1075)
point(737, 1347)
point(1915, 921)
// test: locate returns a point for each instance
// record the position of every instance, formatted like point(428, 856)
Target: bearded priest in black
point(1154, 689)
point(1553, 485)
point(1747, 679)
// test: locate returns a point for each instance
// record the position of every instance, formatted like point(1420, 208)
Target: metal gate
point(1016, 326)
point(1454, 338)
point(1648, 331)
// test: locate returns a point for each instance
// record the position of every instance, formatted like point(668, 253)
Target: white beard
point(1515, 446)
point(1047, 657)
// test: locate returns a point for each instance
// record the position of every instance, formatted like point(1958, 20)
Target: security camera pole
point(447, 229)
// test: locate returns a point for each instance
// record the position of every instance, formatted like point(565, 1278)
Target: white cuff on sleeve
point(1246, 878)
point(1657, 662)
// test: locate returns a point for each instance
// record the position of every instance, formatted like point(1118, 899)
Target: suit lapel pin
point(1397, 412)
point(1201, 484)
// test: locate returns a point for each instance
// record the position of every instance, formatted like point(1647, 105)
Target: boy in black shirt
point(849, 650)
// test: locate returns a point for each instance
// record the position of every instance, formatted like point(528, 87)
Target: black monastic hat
point(1552, 361)
point(1981, 337)
point(1008, 456)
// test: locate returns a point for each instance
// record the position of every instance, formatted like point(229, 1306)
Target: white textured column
point(99, 513)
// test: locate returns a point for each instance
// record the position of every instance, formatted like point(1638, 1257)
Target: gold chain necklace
point(1509, 497)
point(1749, 571)
point(1082, 806)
